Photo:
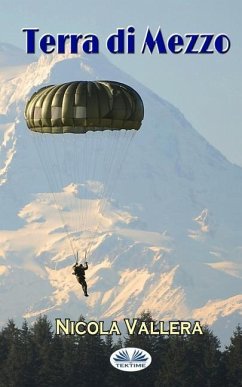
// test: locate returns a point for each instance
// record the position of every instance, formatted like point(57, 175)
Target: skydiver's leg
point(84, 287)
point(83, 283)
point(80, 280)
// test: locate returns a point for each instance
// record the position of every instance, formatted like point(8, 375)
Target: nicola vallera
point(134, 326)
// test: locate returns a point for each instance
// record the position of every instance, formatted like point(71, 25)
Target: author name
point(134, 327)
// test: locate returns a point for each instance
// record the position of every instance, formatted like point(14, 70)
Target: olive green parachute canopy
point(82, 106)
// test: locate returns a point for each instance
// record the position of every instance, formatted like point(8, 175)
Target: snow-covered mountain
point(171, 238)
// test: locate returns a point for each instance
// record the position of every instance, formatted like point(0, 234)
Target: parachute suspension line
point(118, 171)
point(110, 167)
point(107, 149)
point(105, 163)
point(108, 162)
point(54, 142)
point(92, 151)
point(83, 177)
point(115, 173)
point(67, 150)
point(79, 167)
point(71, 159)
point(116, 168)
point(38, 137)
point(111, 163)
point(77, 257)
point(96, 151)
point(100, 110)
point(89, 155)
point(54, 184)
point(120, 136)
point(85, 257)
point(112, 139)
point(77, 157)
point(86, 167)
point(70, 196)
point(81, 173)
point(76, 168)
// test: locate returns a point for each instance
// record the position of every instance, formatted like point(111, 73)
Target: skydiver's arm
point(86, 267)
point(74, 268)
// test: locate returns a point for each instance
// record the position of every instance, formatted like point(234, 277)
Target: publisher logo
point(130, 359)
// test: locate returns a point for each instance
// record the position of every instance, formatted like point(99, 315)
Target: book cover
point(120, 193)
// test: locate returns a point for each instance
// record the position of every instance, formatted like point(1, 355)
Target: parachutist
point(79, 272)
point(63, 118)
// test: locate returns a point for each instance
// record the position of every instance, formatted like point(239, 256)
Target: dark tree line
point(35, 356)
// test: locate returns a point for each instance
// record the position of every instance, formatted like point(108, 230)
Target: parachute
point(82, 131)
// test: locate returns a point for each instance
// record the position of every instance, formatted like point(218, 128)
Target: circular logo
point(130, 359)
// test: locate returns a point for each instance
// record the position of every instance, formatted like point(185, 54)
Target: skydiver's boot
point(85, 292)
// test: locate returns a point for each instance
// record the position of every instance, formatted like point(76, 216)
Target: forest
point(34, 355)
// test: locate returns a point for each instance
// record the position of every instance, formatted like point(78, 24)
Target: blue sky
point(207, 89)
